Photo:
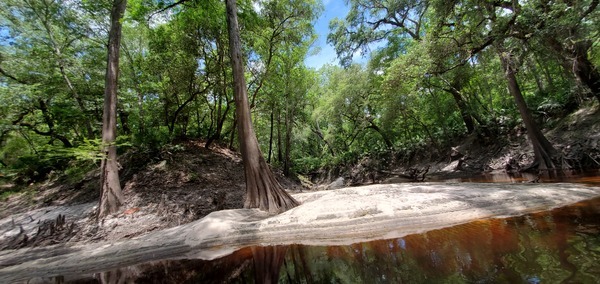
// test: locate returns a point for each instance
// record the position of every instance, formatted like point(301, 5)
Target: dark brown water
point(557, 246)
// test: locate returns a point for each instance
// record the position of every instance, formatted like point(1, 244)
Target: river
point(560, 245)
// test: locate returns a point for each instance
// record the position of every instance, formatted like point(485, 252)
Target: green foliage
point(374, 21)
point(31, 163)
point(433, 71)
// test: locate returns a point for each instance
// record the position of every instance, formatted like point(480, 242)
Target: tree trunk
point(269, 154)
point(279, 146)
point(111, 196)
point(138, 91)
point(289, 116)
point(317, 130)
point(575, 60)
point(233, 128)
point(262, 189)
point(386, 140)
point(180, 108)
point(220, 122)
point(51, 130)
point(124, 118)
point(584, 69)
point(462, 107)
point(220, 117)
point(536, 75)
point(547, 76)
point(542, 148)
point(61, 67)
point(267, 263)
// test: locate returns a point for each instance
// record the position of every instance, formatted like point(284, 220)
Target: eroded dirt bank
point(576, 139)
point(174, 186)
point(325, 218)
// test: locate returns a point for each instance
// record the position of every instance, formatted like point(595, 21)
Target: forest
point(177, 109)
point(435, 72)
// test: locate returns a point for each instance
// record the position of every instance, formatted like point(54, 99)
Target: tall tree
point(542, 148)
point(262, 189)
point(44, 15)
point(111, 196)
point(47, 45)
point(371, 21)
point(474, 28)
point(352, 107)
point(568, 29)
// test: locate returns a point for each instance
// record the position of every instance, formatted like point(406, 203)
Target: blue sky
point(4, 36)
point(333, 9)
point(326, 54)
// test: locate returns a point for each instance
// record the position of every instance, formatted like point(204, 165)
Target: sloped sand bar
point(335, 217)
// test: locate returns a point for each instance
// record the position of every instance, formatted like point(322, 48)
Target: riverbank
point(575, 137)
point(341, 216)
point(185, 182)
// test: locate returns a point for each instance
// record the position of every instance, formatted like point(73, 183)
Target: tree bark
point(262, 189)
point(289, 116)
point(279, 146)
point(542, 148)
point(221, 115)
point(111, 197)
point(584, 69)
point(462, 107)
point(233, 128)
point(267, 263)
point(575, 60)
point(269, 154)
point(317, 130)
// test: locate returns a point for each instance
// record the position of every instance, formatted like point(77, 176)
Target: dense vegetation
point(441, 70)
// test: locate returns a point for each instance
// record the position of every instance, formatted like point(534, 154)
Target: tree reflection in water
point(561, 245)
point(267, 263)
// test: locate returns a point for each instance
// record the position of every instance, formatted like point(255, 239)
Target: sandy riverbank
point(342, 216)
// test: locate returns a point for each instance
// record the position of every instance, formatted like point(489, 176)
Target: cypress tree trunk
point(267, 263)
point(111, 196)
point(262, 189)
point(542, 148)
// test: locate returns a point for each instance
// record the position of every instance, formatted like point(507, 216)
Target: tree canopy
point(434, 71)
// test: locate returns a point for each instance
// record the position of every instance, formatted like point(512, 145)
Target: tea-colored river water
point(561, 245)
